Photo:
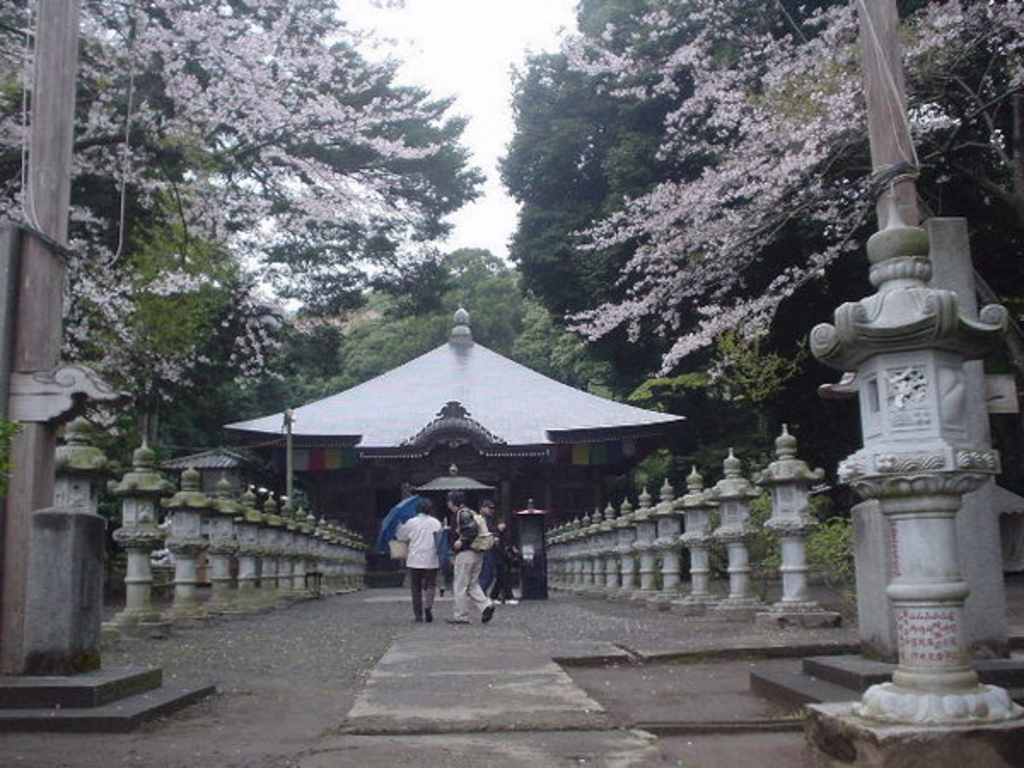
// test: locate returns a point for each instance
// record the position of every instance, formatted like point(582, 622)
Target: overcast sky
point(466, 48)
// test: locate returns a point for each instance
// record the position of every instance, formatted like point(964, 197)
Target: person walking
point(422, 560)
point(506, 556)
point(489, 566)
point(468, 561)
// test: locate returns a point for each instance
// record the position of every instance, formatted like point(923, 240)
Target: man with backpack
point(472, 539)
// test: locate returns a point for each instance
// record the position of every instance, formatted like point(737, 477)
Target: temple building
point(463, 411)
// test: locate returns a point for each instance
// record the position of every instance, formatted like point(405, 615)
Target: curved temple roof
point(503, 400)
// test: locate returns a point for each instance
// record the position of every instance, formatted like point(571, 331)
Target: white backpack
point(484, 538)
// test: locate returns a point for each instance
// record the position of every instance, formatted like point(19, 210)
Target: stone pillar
point(140, 492)
point(667, 546)
point(733, 494)
point(625, 532)
point(697, 538)
point(791, 521)
point(270, 553)
point(907, 344)
point(609, 538)
point(583, 548)
point(643, 545)
point(575, 555)
point(222, 548)
point(186, 509)
point(596, 548)
point(64, 598)
point(248, 523)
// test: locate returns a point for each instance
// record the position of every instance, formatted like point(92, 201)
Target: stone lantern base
point(737, 609)
point(694, 606)
point(805, 615)
point(840, 738)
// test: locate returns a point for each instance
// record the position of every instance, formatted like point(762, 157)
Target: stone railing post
point(625, 533)
point(594, 545)
point(788, 478)
point(667, 546)
point(733, 494)
point(575, 554)
point(554, 545)
point(585, 554)
point(697, 538)
point(609, 540)
point(270, 551)
point(186, 509)
point(646, 531)
point(140, 491)
point(248, 524)
point(223, 546)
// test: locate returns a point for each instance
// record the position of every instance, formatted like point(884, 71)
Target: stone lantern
point(609, 538)
point(667, 546)
point(595, 553)
point(222, 547)
point(624, 535)
point(554, 546)
point(64, 586)
point(583, 553)
point(733, 494)
point(140, 491)
point(186, 509)
point(270, 551)
point(646, 531)
point(788, 479)
point(697, 538)
point(247, 525)
point(907, 345)
point(575, 559)
point(288, 564)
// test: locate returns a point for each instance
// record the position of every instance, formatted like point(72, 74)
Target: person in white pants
point(468, 563)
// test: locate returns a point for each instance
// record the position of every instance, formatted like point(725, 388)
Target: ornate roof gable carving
point(453, 427)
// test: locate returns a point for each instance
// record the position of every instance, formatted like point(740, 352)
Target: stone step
point(794, 688)
point(89, 689)
point(1006, 673)
point(120, 716)
point(854, 672)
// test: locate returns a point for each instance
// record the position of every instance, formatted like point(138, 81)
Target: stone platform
point(825, 679)
point(843, 739)
point(106, 700)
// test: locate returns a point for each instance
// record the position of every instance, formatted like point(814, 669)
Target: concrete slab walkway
point(453, 678)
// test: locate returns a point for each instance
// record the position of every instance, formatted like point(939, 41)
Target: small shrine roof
point(506, 402)
point(217, 458)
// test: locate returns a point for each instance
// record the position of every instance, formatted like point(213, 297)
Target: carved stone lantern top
point(189, 497)
point(788, 468)
point(625, 519)
point(643, 512)
point(905, 314)
point(608, 524)
point(79, 455)
point(143, 480)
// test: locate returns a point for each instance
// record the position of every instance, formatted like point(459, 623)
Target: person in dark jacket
point(468, 562)
point(506, 558)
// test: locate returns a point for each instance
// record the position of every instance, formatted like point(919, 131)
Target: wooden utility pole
point(888, 127)
point(38, 325)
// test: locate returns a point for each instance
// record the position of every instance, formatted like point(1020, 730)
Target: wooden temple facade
point(464, 409)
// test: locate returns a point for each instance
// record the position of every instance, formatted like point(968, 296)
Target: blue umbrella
point(402, 511)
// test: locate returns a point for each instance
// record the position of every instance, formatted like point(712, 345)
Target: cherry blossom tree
point(227, 151)
point(768, 135)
